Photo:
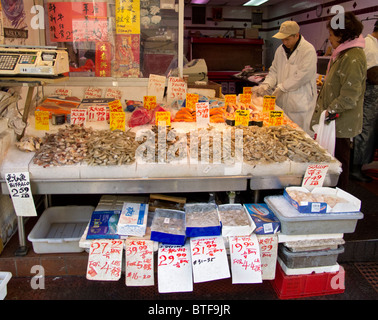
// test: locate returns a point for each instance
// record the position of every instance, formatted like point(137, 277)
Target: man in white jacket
point(293, 76)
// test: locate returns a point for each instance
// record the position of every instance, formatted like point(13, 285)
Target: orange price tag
point(247, 90)
point(275, 118)
point(115, 106)
point(242, 118)
point(230, 98)
point(191, 100)
point(42, 120)
point(245, 98)
point(163, 117)
point(149, 102)
point(117, 121)
point(269, 103)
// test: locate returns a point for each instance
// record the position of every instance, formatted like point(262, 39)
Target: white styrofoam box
point(93, 172)
point(16, 161)
point(58, 172)
point(4, 279)
point(59, 229)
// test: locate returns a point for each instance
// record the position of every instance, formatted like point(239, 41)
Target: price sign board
point(96, 113)
point(117, 121)
point(242, 118)
point(314, 176)
point(20, 192)
point(269, 103)
point(92, 92)
point(209, 259)
point(268, 252)
point(191, 100)
point(247, 90)
point(156, 86)
point(139, 256)
point(176, 90)
point(174, 269)
point(113, 93)
point(202, 114)
point(42, 120)
point(78, 116)
point(115, 106)
point(105, 260)
point(275, 118)
point(230, 98)
point(245, 98)
point(163, 117)
point(245, 259)
point(149, 102)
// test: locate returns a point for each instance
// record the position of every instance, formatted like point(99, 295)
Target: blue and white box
point(133, 219)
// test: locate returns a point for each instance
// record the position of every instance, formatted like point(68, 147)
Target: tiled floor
point(65, 273)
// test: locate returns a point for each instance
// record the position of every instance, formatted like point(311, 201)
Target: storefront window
point(115, 38)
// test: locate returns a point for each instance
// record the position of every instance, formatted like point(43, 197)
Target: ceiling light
point(199, 1)
point(254, 3)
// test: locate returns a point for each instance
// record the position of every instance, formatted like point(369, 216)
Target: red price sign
point(78, 116)
point(230, 98)
point(269, 103)
point(202, 114)
point(96, 113)
point(115, 106)
point(247, 90)
point(314, 176)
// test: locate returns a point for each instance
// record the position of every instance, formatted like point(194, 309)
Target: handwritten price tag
point(209, 259)
point(242, 118)
point(78, 116)
point(20, 191)
point(245, 259)
point(63, 92)
point(202, 114)
point(191, 100)
point(247, 90)
point(139, 263)
point(174, 269)
point(96, 113)
point(163, 118)
point(268, 252)
point(230, 98)
point(113, 93)
point(92, 93)
point(245, 98)
point(275, 118)
point(269, 103)
point(176, 90)
point(314, 176)
point(149, 102)
point(156, 86)
point(105, 260)
point(115, 106)
point(42, 120)
point(117, 121)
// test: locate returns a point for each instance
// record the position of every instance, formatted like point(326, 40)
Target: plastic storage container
point(309, 285)
point(306, 259)
point(59, 229)
point(4, 279)
point(294, 222)
point(168, 226)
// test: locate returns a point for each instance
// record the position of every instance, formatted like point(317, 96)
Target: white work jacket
point(296, 77)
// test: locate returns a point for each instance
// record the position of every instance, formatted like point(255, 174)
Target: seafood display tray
point(306, 259)
point(293, 222)
point(59, 229)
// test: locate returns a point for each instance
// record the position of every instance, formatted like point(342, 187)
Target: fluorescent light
point(199, 1)
point(254, 3)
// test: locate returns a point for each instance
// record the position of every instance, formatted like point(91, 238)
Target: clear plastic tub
point(4, 279)
point(59, 229)
point(305, 259)
point(294, 222)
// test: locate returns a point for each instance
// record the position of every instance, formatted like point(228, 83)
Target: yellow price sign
point(245, 98)
point(230, 98)
point(149, 102)
point(275, 118)
point(117, 121)
point(191, 100)
point(247, 90)
point(42, 120)
point(242, 118)
point(115, 106)
point(269, 103)
point(163, 117)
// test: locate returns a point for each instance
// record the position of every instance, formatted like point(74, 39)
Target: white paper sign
point(105, 260)
point(63, 92)
point(176, 90)
point(20, 192)
point(268, 252)
point(92, 92)
point(209, 259)
point(314, 176)
point(156, 87)
point(113, 93)
point(202, 114)
point(96, 113)
point(245, 259)
point(174, 269)
point(139, 262)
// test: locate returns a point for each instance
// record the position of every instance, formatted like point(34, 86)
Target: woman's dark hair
point(352, 29)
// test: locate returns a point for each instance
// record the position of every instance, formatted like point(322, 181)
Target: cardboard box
point(251, 33)
point(264, 219)
point(331, 200)
point(133, 219)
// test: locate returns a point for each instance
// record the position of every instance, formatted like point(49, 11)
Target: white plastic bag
point(326, 134)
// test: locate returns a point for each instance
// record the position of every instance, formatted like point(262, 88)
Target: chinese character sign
point(105, 260)
point(139, 263)
point(42, 120)
point(103, 60)
point(174, 269)
point(127, 17)
point(314, 176)
point(268, 252)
